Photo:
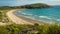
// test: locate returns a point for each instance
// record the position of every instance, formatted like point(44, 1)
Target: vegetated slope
point(36, 5)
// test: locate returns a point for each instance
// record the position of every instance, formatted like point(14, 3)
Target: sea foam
point(44, 17)
point(58, 19)
point(23, 13)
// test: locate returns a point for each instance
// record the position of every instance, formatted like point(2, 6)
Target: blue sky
point(23, 2)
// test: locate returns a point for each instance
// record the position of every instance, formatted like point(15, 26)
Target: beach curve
point(16, 19)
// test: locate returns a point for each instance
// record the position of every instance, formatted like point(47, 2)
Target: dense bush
point(36, 6)
point(30, 29)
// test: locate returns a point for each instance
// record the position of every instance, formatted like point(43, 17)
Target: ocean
point(48, 15)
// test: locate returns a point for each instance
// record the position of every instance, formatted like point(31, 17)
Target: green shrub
point(17, 29)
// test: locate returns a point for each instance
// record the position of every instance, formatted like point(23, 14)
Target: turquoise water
point(48, 15)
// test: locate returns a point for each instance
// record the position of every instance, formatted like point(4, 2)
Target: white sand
point(16, 19)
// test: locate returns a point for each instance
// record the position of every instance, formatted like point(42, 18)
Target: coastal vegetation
point(3, 16)
point(25, 29)
point(30, 29)
point(36, 6)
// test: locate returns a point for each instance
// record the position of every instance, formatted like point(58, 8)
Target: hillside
point(36, 5)
point(28, 6)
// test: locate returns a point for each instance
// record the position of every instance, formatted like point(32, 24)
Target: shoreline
point(21, 20)
point(16, 19)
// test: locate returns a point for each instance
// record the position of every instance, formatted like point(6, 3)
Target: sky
point(24, 2)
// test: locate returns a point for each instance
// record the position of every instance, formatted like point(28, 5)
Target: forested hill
point(29, 6)
point(9, 7)
point(36, 5)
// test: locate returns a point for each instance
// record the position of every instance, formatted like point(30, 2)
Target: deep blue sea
point(48, 15)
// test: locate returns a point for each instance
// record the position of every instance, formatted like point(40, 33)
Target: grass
point(30, 29)
point(3, 16)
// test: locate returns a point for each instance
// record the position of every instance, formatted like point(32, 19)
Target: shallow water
point(49, 15)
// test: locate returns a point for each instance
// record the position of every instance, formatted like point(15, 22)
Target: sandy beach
point(20, 20)
point(15, 19)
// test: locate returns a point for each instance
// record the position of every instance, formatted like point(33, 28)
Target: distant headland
point(28, 6)
point(36, 5)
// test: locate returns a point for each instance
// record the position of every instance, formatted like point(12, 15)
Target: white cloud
point(54, 0)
